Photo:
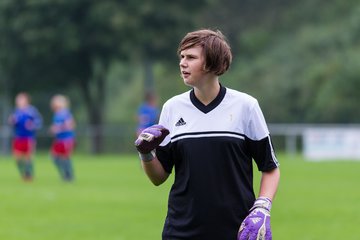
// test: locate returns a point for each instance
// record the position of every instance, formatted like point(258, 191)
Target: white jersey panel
point(237, 113)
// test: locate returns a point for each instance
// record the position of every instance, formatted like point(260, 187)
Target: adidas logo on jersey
point(181, 122)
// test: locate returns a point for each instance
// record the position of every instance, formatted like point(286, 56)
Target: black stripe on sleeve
point(263, 153)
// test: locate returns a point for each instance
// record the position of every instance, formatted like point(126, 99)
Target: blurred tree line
point(300, 59)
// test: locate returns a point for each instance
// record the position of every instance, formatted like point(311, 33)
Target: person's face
point(21, 101)
point(55, 105)
point(192, 64)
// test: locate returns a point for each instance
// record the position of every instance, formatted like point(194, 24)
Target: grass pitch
point(112, 199)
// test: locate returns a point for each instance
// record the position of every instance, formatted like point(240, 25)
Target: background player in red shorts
point(25, 120)
point(63, 129)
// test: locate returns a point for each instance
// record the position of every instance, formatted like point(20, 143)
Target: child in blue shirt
point(148, 113)
point(62, 128)
point(26, 120)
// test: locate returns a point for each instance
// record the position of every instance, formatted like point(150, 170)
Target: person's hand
point(256, 226)
point(149, 139)
point(11, 120)
point(54, 129)
point(29, 125)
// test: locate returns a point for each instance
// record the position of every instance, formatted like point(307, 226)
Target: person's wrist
point(262, 202)
point(147, 157)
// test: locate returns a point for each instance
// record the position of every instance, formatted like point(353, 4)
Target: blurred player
point(210, 136)
point(63, 129)
point(148, 113)
point(25, 120)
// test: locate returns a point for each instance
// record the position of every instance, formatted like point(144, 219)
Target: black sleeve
point(263, 154)
point(164, 155)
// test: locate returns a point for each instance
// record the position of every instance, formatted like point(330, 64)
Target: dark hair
point(149, 96)
point(216, 49)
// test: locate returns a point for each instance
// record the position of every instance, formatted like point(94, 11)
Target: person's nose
point(183, 63)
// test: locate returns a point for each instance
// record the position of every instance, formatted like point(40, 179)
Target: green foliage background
point(301, 60)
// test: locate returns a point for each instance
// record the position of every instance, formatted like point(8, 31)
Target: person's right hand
point(150, 138)
point(29, 125)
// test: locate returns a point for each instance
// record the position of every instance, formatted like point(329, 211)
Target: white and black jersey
point(211, 148)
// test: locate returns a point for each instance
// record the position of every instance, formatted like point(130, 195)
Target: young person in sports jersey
point(148, 113)
point(26, 120)
point(63, 127)
point(210, 136)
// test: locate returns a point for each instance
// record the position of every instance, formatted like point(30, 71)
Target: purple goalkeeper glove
point(256, 226)
point(149, 139)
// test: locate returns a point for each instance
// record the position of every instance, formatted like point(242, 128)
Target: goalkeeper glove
point(256, 226)
point(149, 139)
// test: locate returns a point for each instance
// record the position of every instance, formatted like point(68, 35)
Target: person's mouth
point(185, 74)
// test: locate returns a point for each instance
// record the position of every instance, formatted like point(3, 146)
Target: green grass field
point(112, 199)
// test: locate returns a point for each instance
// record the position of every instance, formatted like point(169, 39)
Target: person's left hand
point(256, 226)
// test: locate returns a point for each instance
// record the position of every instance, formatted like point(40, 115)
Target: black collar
point(214, 103)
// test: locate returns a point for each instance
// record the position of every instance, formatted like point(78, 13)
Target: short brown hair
point(216, 49)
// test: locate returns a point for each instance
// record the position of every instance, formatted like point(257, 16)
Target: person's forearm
point(269, 183)
point(155, 171)
point(69, 125)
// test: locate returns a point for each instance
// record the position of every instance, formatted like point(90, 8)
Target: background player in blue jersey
point(210, 136)
point(148, 113)
point(63, 129)
point(25, 120)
